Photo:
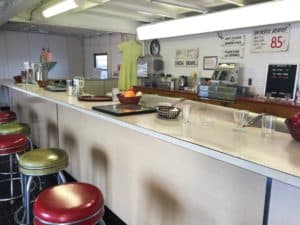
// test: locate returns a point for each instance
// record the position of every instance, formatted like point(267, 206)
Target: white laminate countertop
point(210, 132)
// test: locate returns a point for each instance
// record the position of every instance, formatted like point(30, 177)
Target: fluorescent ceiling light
point(180, 5)
point(275, 12)
point(61, 7)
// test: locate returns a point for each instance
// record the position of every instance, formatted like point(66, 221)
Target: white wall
point(254, 64)
point(17, 47)
point(103, 44)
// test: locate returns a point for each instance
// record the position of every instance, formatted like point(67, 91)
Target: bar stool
point(14, 128)
point(12, 145)
point(7, 117)
point(71, 203)
point(5, 108)
point(36, 163)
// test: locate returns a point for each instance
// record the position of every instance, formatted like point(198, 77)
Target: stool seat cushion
point(43, 161)
point(13, 143)
point(68, 203)
point(7, 116)
point(14, 128)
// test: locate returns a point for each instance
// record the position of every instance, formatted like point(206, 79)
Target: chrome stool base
point(26, 183)
point(12, 176)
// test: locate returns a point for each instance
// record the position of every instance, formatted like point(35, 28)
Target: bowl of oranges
point(130, 97)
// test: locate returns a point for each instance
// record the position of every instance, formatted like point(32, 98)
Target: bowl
point(18, 79)
point(168, 112)
point(294, 131)
point(42, 83)
point(128, 100)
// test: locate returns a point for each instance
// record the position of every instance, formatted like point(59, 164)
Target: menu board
point(281, 81)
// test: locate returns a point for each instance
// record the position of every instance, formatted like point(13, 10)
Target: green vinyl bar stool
point(36, 163)
point(14, 128)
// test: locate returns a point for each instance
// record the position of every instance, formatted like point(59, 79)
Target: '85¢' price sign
point(271, 39)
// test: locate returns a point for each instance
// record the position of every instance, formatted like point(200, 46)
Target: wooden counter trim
point(258, 105)
point(270, 102)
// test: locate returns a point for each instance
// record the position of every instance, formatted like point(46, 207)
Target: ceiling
point(96, 17)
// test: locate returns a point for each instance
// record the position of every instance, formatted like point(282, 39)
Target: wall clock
point(154, 47)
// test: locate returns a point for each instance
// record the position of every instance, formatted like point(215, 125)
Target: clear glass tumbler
point(186, 112)
point(241, 119)
point(268, 123)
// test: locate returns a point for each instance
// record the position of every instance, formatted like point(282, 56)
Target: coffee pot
point(182, 82)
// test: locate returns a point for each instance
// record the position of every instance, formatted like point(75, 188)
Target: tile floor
point(7, 210)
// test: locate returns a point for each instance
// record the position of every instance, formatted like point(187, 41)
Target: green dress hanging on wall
point(130, 50)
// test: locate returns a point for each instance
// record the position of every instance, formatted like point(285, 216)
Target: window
point(100, 62)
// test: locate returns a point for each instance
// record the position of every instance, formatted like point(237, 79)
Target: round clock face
point(154, 47)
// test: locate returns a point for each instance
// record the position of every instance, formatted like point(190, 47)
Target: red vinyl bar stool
point(12, 145)
point(70, 203)
point(7, 117)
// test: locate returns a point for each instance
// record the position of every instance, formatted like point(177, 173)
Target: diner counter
point(210, 132)
point(157, 171)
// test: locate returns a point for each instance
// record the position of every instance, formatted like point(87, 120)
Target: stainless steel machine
point(224, 84)
point(149, 69)
point(148, 65)
point(227, 73)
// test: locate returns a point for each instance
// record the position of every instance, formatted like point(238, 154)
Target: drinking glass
point(241, 119)
point(114, 93)
point(268, 124)
point(186, 112)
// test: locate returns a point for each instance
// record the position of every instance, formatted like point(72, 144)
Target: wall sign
point(180, 53)
point(233, 53)
point(187, 57)
point(210, 62)
point(271, 39)
point(232, 41)
point(281, 80)
point(179, 63)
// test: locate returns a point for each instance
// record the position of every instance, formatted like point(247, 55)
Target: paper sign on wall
point(180, 53)
point(235, 40)
point(233, 53)
point(187, 57)
point(271, 39)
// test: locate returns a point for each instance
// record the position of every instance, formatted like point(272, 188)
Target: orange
point(129, 94)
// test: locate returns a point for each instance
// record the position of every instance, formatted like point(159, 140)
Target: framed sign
point(187, 57)
point(281, 81)
point(210, 62)
point(271, 39)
